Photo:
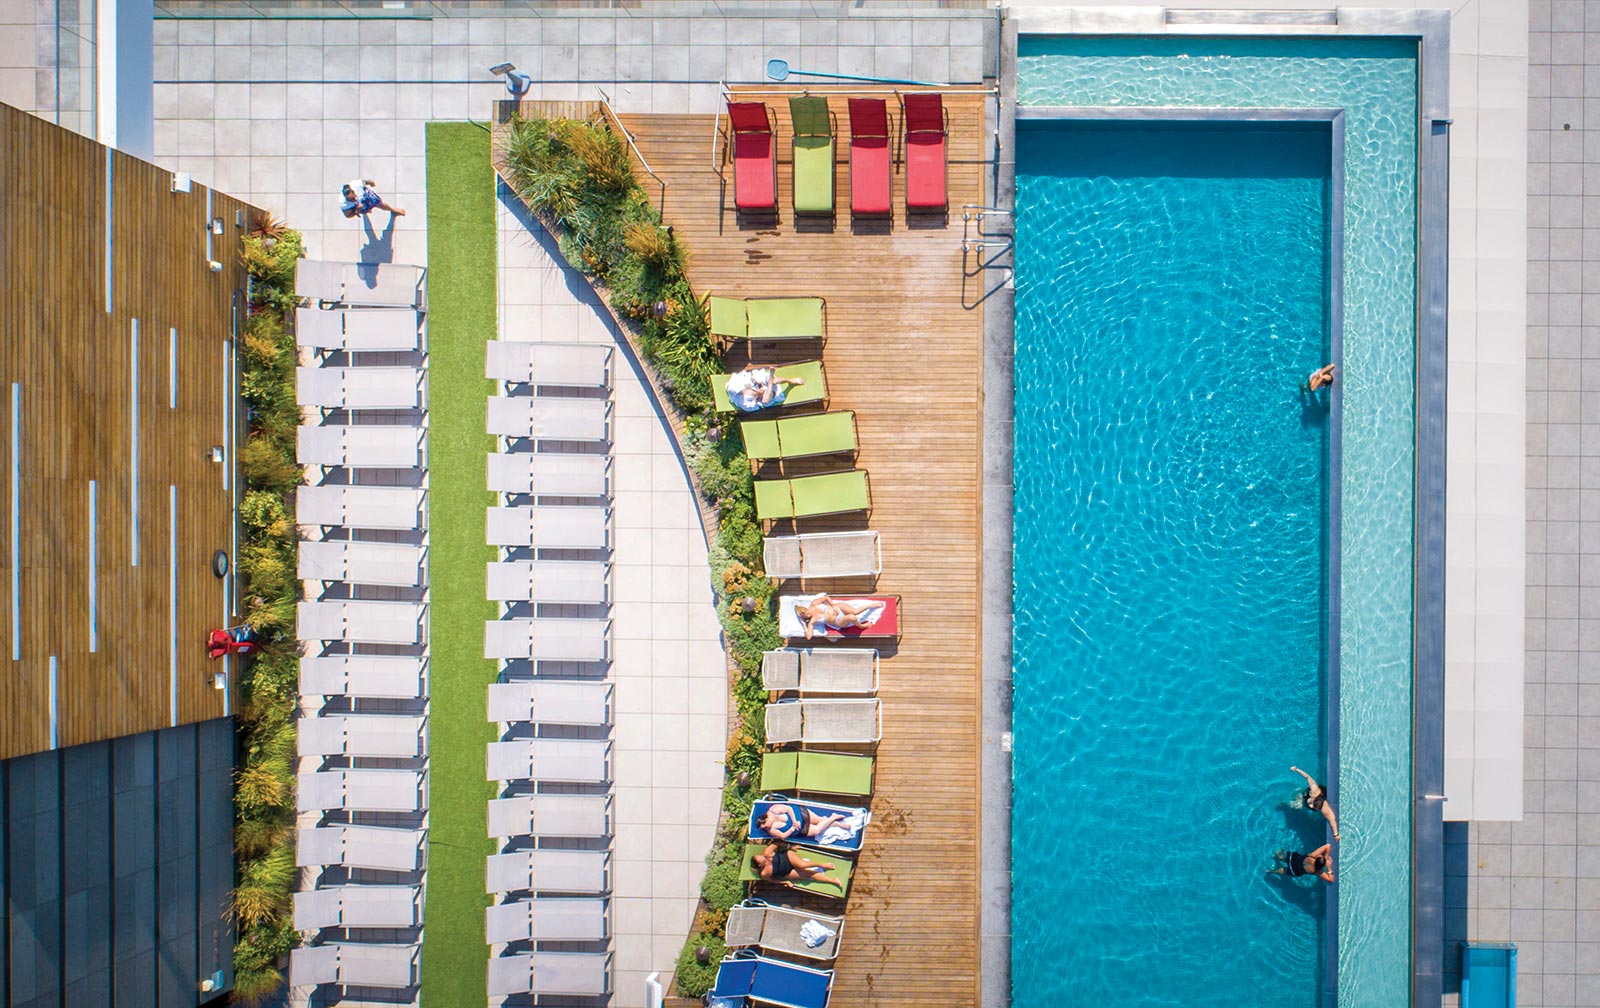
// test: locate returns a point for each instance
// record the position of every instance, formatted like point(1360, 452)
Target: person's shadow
point(379, 247)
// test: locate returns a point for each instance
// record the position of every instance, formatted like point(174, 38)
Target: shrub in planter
point(694, 979)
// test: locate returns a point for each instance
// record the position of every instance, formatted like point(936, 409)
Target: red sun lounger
point(884, 622)
point(924, 123)
point(755, 157)
point(869, 157)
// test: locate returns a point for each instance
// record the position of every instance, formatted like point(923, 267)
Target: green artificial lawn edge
point(462, 313)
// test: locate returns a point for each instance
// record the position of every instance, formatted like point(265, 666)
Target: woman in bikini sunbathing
point(785, 821)
point(775, 863)
point(824, 612)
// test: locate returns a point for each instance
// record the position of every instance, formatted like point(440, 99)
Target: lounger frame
point(809, 736)
point(825, 952)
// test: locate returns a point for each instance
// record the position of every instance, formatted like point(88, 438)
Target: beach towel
point(813, 933)
point(843, 830)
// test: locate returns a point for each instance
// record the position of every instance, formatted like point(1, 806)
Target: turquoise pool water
point(1094, 709)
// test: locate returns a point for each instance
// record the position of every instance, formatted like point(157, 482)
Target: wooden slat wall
point(906, 355)
point(72, 358)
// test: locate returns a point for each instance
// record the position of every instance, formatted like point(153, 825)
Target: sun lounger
point(572, 974)
point(549, 418)
point(371, 507)
point(550, 474)
point(840, 868)
point(580, 640)
point(1488, 975)
point(357, 388)
point(813, 496)
point(818, 772)
point(354, 964)
point(550, 760)
point(546, 870)
point(377, 329)
point(822, 554)
point(550, 527)
point(812, 154)
point(548, 918)
point(777, 929)
point(395, 735)
point(579, 582)
point(821, 670)
point(549, 702)
point(375, 285)
point(815, 389)
point(380, 847)
point(361, 562)
point(398, 676)
point(926, 135)
point(767, 319)
point(869, 158)
point(550, 815)
point(360, 447)
point(360, 791)
point(358, 906)
point(744, 977)
point(567, 365)
point(360, 622)
point(800, 437)
point(824, 721)
point(882, 618)
point(755, 156)
point(844, 837)
point(319, 280)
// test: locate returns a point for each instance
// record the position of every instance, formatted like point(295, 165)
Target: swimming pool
point(1155, 625)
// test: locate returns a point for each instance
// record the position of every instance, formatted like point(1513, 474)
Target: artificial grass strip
point(462, 311)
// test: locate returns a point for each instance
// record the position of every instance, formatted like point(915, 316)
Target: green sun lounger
point(774, 318)
point(811, 496)
point(800, 437)
point(823, 772)
point(842, 869)
point(815, 389)
point(813, 155)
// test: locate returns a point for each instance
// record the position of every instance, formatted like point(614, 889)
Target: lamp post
point(517, 82)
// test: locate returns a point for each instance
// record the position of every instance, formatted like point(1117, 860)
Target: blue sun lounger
point(1488, 975)
point(845, 845)
point(744, 977)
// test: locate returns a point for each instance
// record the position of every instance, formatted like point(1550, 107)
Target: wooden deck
point(907, 357)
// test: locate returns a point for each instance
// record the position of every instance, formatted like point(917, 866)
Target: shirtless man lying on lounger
point(775, 863)
point(824, 612)
point(758, 387)
point(784, 821)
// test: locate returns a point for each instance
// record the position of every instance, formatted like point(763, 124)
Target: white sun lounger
point(358, 906)
point(824, 721)
point(582, 640)
point(568, 871)
point(822, 554)
point(821, 670)
point(550, 815)
point(569, 365)
point(371, 446)
point(548, 918)
point(550, 474)
point(572, 974)
point(356, 388)
point(545, 702)
point(549, 418)
point(360, 622)
point(377, 285)
point(319, 280)
point(360, 790)
point(549, 527)
point(579, 582)
point(777, 929)
point(380, 847)
point(361, 562)
point(372, 507)
point(396, 735)
point(354, 964)
point(392, 329)
point(398, 676)
point(550, 760)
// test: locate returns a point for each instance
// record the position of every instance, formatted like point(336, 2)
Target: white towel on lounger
point(844, 829)
point(813, 933)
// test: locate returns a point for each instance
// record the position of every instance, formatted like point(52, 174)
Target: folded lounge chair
point(358, 906)
point(372, 507)
point(375, 285)
point(360, 791)
point(800, 437)
point(822, 554)
point(745, 977)
point(357, 388)
point(550, 474)
point(926, 135)
point(549, 918)
point(550, 418)
point(550, 527)
point(824, 721)
point(881, 618)
point(378, 329)
point(361, 562)
point(844, 837)
point(360, 447)
point(546, 870)
point(354, 964)
point(819, 772)
point(399, 736)
point(777, 929)
point(573, 974)
point(870, 177)
point(813, 496)
point(568, 365)
point(550, 815)
point(360, 622)
point(579, 582)
point(755, 157)
point(577, 640)
point(815, 389)
point(550, 702)
point(381, 847)
point(398, 676)
point(812, 148)
point(821, 670)
point(767, 318)
point(550, 760)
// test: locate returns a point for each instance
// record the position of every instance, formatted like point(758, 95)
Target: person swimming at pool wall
point(1295, 864)
point(784, 821)
point(759, 387)
point(776, 863)
point(1321, 377)
point(1316, 799)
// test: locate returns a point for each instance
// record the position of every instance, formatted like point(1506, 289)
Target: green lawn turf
point(462, 312)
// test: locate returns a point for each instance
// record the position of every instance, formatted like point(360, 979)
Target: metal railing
point(627, 134)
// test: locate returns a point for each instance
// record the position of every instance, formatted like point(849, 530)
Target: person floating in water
point(1316, 799)
point(1322, 377)
point(1295, 864)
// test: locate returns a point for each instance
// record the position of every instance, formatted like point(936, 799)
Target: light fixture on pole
point(517, 82)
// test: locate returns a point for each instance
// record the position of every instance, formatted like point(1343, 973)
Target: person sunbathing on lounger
point(775, 863)
point(784, 821)
point(758, 387)
point(824, 612)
